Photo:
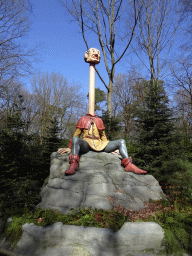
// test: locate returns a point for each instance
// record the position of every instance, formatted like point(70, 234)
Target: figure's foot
point(129, 167)
point(74, 164)
point(70, 171)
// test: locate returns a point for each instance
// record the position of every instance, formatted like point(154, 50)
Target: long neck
point(92, 89)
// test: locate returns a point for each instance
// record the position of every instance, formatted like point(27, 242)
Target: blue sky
point(62, 47)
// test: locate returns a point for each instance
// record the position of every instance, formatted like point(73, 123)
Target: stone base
point(139, 238)
point(100, 177)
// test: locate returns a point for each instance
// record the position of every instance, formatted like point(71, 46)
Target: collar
point(91, 115)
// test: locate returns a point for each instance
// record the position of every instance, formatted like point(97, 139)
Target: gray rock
point(100, 177)
point(58, 240)
point(9, 220)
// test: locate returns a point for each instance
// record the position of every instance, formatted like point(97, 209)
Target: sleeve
point(76, 134)
point(102, 135)
point(70, 144)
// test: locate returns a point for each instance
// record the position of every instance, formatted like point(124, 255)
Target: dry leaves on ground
point(149, 209)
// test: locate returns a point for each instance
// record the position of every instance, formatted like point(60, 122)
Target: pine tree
point(155, 127)
point(52, 140)
point(112, 125)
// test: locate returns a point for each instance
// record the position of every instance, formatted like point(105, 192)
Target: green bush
point(14, 230)
point(178, 232)
point(18, 193)
point(82, 217)
point(177, 174)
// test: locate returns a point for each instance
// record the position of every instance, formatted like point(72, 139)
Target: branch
point(132, 33)
point(117, 17)
point(101, 79)
point(101, 41)
point(82, 26)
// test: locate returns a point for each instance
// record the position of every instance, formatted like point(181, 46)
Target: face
point(92, 56)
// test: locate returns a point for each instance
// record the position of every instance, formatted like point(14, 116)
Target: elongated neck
point(92, 89)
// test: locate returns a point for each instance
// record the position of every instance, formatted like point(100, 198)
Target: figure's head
point(92, 56)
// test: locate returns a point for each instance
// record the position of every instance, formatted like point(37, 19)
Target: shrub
point(178, 233)
point(177, 175)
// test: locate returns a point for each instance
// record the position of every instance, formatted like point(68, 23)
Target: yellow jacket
point(96, 139)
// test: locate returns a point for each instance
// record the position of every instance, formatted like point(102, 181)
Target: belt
point(93, 138)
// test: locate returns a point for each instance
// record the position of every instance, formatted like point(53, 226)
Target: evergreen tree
point(155, 128)
point(52, 141)
point(112, 126)
point(24, 164)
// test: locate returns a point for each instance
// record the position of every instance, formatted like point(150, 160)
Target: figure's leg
point(117, 144)
point(78, 148)
point(127, 161)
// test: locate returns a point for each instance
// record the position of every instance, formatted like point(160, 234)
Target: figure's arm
point(103, 135)
point(68, 149)
point(77, 132)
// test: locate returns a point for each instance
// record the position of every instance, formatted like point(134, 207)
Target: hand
point(64, 150)
point(115, 152)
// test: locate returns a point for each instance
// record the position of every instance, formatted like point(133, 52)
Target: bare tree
point(55, 97)
point(182, 82)
point(187, 4)
point(15, 59)
point(186, 13)
point(11, 104)
point(103, 19)
point(155, 33)
point(52, 98)
point(128, 95)
point(123, 99)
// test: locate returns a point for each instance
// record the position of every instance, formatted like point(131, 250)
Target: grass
point(82, 217)
point(174, 216)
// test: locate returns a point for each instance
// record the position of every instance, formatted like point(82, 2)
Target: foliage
point(180, 180)
point(14, 231)
point(52, 141)
point(176, 221)
point(132, 147)
point(112, 125)
point(155, 128)
point(83, 217)
point(24, 164)
point(177, 229)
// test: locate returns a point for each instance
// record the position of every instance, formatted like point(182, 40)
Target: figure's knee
point(122, 142)
point(75, 140)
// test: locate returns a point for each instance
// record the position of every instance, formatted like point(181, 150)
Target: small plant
point(14, 230)
point(172, 215)
point(82, 217)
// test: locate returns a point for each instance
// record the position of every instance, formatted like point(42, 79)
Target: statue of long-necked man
point(93, 131)
point(94, 139)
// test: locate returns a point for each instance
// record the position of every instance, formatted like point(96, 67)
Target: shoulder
point(83, 122)
point(99, 123)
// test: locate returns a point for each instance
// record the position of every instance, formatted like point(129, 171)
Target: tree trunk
point(109, 98)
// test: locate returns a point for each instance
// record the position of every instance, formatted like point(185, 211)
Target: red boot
point(129, 167)
point(74, 164)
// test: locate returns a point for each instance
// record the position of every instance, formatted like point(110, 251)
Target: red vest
point(85, 122)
